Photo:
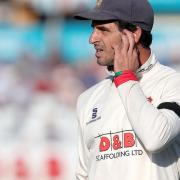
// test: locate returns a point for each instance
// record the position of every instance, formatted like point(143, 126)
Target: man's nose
point(93, 38)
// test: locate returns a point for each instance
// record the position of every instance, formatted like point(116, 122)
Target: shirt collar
point(147, 66)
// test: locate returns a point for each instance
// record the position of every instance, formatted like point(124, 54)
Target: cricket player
point(129, 123)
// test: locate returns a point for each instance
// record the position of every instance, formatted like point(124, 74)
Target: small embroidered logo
point(150, 99)
point(94, 116)
point(94, 113)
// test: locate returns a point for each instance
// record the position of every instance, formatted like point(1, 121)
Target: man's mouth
point(98, 52)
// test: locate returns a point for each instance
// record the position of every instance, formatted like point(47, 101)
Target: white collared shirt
point(123, 135)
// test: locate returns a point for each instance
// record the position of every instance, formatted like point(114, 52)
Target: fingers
point(126, 52)
point(125, 40)
point(125, 43)
point(129, 41)
point(122, 42)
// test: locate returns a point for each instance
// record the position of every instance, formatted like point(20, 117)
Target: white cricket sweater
point(123, 135)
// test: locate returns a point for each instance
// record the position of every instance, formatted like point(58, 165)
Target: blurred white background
point(45, 63)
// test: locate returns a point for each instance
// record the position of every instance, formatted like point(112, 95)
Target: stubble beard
point(109, 64)
point(105, 62)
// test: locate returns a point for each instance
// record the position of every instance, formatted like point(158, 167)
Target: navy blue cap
point(137, 12)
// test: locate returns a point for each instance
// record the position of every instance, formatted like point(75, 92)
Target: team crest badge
point(98, 3)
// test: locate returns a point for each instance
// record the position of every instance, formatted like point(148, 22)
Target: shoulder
point(167, 74)
point(89, 98)
point(161, 74)
point(93, 92)
point(169, 81)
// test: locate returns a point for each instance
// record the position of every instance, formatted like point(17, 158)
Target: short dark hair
point(146, 37)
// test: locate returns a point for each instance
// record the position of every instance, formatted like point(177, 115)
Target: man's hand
point(126, 55)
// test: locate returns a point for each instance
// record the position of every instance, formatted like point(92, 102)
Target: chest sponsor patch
point(117, 145)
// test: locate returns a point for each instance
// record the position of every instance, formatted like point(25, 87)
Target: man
point(129, 123)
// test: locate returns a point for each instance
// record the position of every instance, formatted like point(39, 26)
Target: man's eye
point(103, 29)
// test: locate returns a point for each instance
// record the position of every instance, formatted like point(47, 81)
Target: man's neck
point(144, 54)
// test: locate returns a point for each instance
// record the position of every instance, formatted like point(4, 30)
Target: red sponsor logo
point(116, 141)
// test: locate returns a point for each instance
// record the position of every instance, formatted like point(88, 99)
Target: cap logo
point(98, 3)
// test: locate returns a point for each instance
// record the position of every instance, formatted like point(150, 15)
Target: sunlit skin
point(117, 47)
point(102, 38)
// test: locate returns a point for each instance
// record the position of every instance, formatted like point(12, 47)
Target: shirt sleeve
point(81, 168)
point(156, 128)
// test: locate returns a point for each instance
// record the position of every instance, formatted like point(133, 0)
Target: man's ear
point(137, 34)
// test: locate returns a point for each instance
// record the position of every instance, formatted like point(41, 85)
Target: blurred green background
point(45, 63)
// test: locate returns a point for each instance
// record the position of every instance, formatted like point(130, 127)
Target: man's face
point(104, 35)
